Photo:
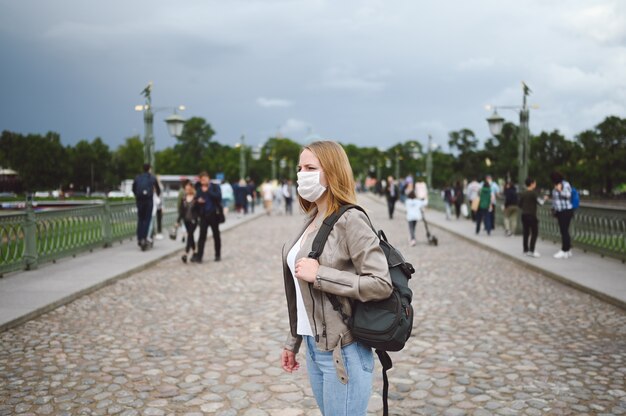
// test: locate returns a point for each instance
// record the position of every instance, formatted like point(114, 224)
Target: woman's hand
point(288, 361)
point(306, 269)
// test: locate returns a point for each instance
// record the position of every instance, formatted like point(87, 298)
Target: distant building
point(10, 181)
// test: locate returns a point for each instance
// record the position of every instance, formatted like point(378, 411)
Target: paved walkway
point(25, 295)
point(491, 337)
point(603, 277)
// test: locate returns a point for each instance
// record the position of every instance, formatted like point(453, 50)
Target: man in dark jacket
point(144, 186)
point(392, 193)
point(209, 197)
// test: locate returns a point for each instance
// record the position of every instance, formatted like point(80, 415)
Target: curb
point(106, 282)
point(555, 276)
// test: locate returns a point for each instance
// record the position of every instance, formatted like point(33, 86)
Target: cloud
point(476, 64)
point(604, 23)
point(273, 102)
point(294, 128)
point(346, 78)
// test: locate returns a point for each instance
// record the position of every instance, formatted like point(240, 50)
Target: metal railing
point(597, 229)
point(30, 238)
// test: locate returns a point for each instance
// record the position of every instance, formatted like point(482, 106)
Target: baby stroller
point(432, 240)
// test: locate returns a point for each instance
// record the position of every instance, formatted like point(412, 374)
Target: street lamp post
point(496, 122)
point(242, 157)
point(175, 124)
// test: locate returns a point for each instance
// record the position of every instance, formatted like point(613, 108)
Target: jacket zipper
point(324, 335)
point(332, 281)
point(317, 337)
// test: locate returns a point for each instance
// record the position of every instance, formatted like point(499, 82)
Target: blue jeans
point(333, 397)
point(144, 216)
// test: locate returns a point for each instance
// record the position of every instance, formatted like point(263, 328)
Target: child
point(413, 214)
point(188, 213)
point(528, 201)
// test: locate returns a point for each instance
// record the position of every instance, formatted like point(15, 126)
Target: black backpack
point(384, 325)
point(144, 186)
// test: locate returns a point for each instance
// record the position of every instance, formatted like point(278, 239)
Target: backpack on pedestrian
point(144, 186)
point(384, 325)
point(575, 198)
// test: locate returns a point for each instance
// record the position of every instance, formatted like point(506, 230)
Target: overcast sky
point(365, 72)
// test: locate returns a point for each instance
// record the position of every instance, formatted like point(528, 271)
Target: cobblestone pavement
point(490, 338)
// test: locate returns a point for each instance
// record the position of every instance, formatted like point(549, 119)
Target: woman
point(352, 266)
point(563, 211)
point(485, 206)
point(188, 214)
point(510, 209)
point(458, 198)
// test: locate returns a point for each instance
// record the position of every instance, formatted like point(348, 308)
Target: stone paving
point(490, 338)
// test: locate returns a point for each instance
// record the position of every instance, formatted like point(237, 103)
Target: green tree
point(552, 152)
point(91, 165)
point(168, 162)
point(465, 143)
point(604, 153)
point(193, 145)
point(41, 161)
point(128, 158)
point(502, 153)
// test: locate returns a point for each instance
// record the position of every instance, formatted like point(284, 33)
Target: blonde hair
point(338, 173)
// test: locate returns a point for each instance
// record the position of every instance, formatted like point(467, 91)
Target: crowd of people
point(479, 201)
point(204, 204)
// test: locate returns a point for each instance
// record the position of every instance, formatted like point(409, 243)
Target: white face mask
point(309, 186)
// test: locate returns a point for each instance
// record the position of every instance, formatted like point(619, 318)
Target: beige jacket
point(352, 266)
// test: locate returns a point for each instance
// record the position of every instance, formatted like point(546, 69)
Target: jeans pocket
point(366, 356)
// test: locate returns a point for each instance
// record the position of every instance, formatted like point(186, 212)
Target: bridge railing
point(30, 238)
point(596, 229)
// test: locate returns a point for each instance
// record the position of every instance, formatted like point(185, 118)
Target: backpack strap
point(316, 251)
point(327, 226)
point(320, 241)
point(387, 364)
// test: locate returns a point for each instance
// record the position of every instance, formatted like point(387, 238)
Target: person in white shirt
point(414, 208)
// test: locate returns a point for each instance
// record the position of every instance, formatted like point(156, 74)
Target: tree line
point(595, 159)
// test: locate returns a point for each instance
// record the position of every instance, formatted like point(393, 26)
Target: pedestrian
point(448, 194)
point(158, 202)
point(240, 192)
point(228, 195)
point(209, 197)
point(188, 215)
point(413, 214)
point(495, 190)
point(458, 198)
point(145, 186)
point(563, 211)
point(485, 206)
point(352, 266)
point(287, 189)
point(421, 190)
point(528, 201)
point(473, 189)
point(392, 193)
point(267, 193)
point(510, 209)
point(252, 195)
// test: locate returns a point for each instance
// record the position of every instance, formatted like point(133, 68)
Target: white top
point(414, 209)
point(304, 326)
